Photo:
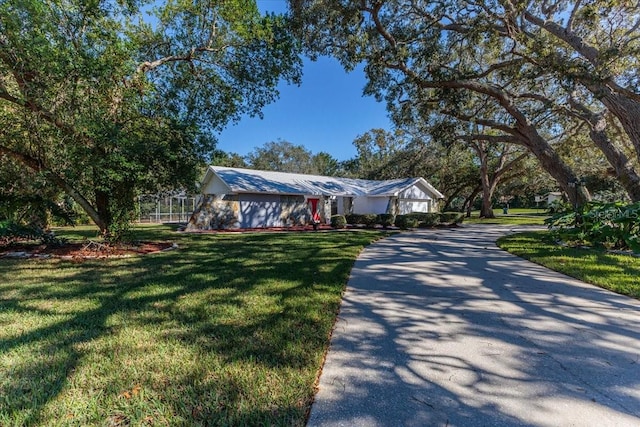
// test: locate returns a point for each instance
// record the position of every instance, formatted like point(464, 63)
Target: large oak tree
point(108, 98)
point(540, 66)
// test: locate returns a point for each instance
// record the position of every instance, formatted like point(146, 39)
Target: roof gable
point(240, 180)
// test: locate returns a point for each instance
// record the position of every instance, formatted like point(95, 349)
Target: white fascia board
point(205, 180)
point(425, 183)
point(431, 188)
point(411, 184)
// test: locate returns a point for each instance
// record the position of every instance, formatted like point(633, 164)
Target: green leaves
point(114, 98)
point(611, 225)
point(283, 156)
point(512, 69)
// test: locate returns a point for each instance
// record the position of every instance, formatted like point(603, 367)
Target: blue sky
point(325, 113)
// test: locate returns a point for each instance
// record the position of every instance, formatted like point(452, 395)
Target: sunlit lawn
point(618, 273)
point(226, 330)
point(516, 216)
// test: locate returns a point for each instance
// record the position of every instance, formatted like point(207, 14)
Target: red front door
point(315, 216)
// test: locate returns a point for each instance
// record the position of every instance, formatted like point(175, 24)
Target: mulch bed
point(82, 250)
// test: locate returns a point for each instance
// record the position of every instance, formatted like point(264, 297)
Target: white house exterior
point(247, 198)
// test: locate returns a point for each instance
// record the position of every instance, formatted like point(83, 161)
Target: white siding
point(342, 203)
point(416, 198)
point(408, 206)
point(415, 192)
point(366, 205)
point(260, 210)
point(215, 186)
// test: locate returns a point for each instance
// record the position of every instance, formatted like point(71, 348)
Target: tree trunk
point(468, 203)
point(486, 210)
point(552, 163)
point(624, 169)
point(488, 184)
point(528, 135)
point(452, 195)
point(103, 208)
point(626, 110)
point(625, 172)
point(95, 215)
point(624, 107)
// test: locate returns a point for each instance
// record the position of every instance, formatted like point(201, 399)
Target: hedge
point(406, 221)
point(386, 220)
point(451, 217)
point(338, 221)
point(353, 219)
point(426, 219)
point(368, 220)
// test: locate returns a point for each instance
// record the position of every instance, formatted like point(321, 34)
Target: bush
point(369, 220)
point(13, 232)
point(406, 221)
point(451, 217)
point(386, 220)
point(338, 221)
point(559, 207)
point(611, 225)
point(354, 219)
point(426, 219)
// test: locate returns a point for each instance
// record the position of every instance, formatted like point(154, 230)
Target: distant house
point(553, 196)
point(246, 198)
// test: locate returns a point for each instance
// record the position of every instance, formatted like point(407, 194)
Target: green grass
point(618, 273)
point(517, 216)
point(226, 330)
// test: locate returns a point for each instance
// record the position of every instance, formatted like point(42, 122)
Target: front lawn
point(618, 273)
point(516, 216)
point(229, 329)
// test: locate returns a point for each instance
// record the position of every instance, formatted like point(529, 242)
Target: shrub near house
point(451, 217)
point(385, 220)
point(338, 221)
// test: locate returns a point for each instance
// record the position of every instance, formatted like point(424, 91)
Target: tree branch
point(493, 139)
point(568, 36)
point(35, 108)
point(187, 57)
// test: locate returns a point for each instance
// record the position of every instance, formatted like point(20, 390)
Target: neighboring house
point(246, 198)
point(553, 196)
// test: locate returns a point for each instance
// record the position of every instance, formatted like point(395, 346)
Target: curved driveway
point(442, 328)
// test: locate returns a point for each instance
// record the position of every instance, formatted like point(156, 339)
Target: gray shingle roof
point(255, 181)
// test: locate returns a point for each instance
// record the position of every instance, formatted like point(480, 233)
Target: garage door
point(258, 211)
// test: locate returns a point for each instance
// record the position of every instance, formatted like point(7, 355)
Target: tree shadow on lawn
point(454, 331)
point(255, 302)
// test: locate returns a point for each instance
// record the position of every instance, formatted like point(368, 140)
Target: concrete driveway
point(442, 328)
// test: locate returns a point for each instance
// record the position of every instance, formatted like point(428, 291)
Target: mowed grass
point(226, 330)
point(618, 273)
point(516, 216)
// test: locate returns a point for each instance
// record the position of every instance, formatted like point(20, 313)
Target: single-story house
point(247, 198)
